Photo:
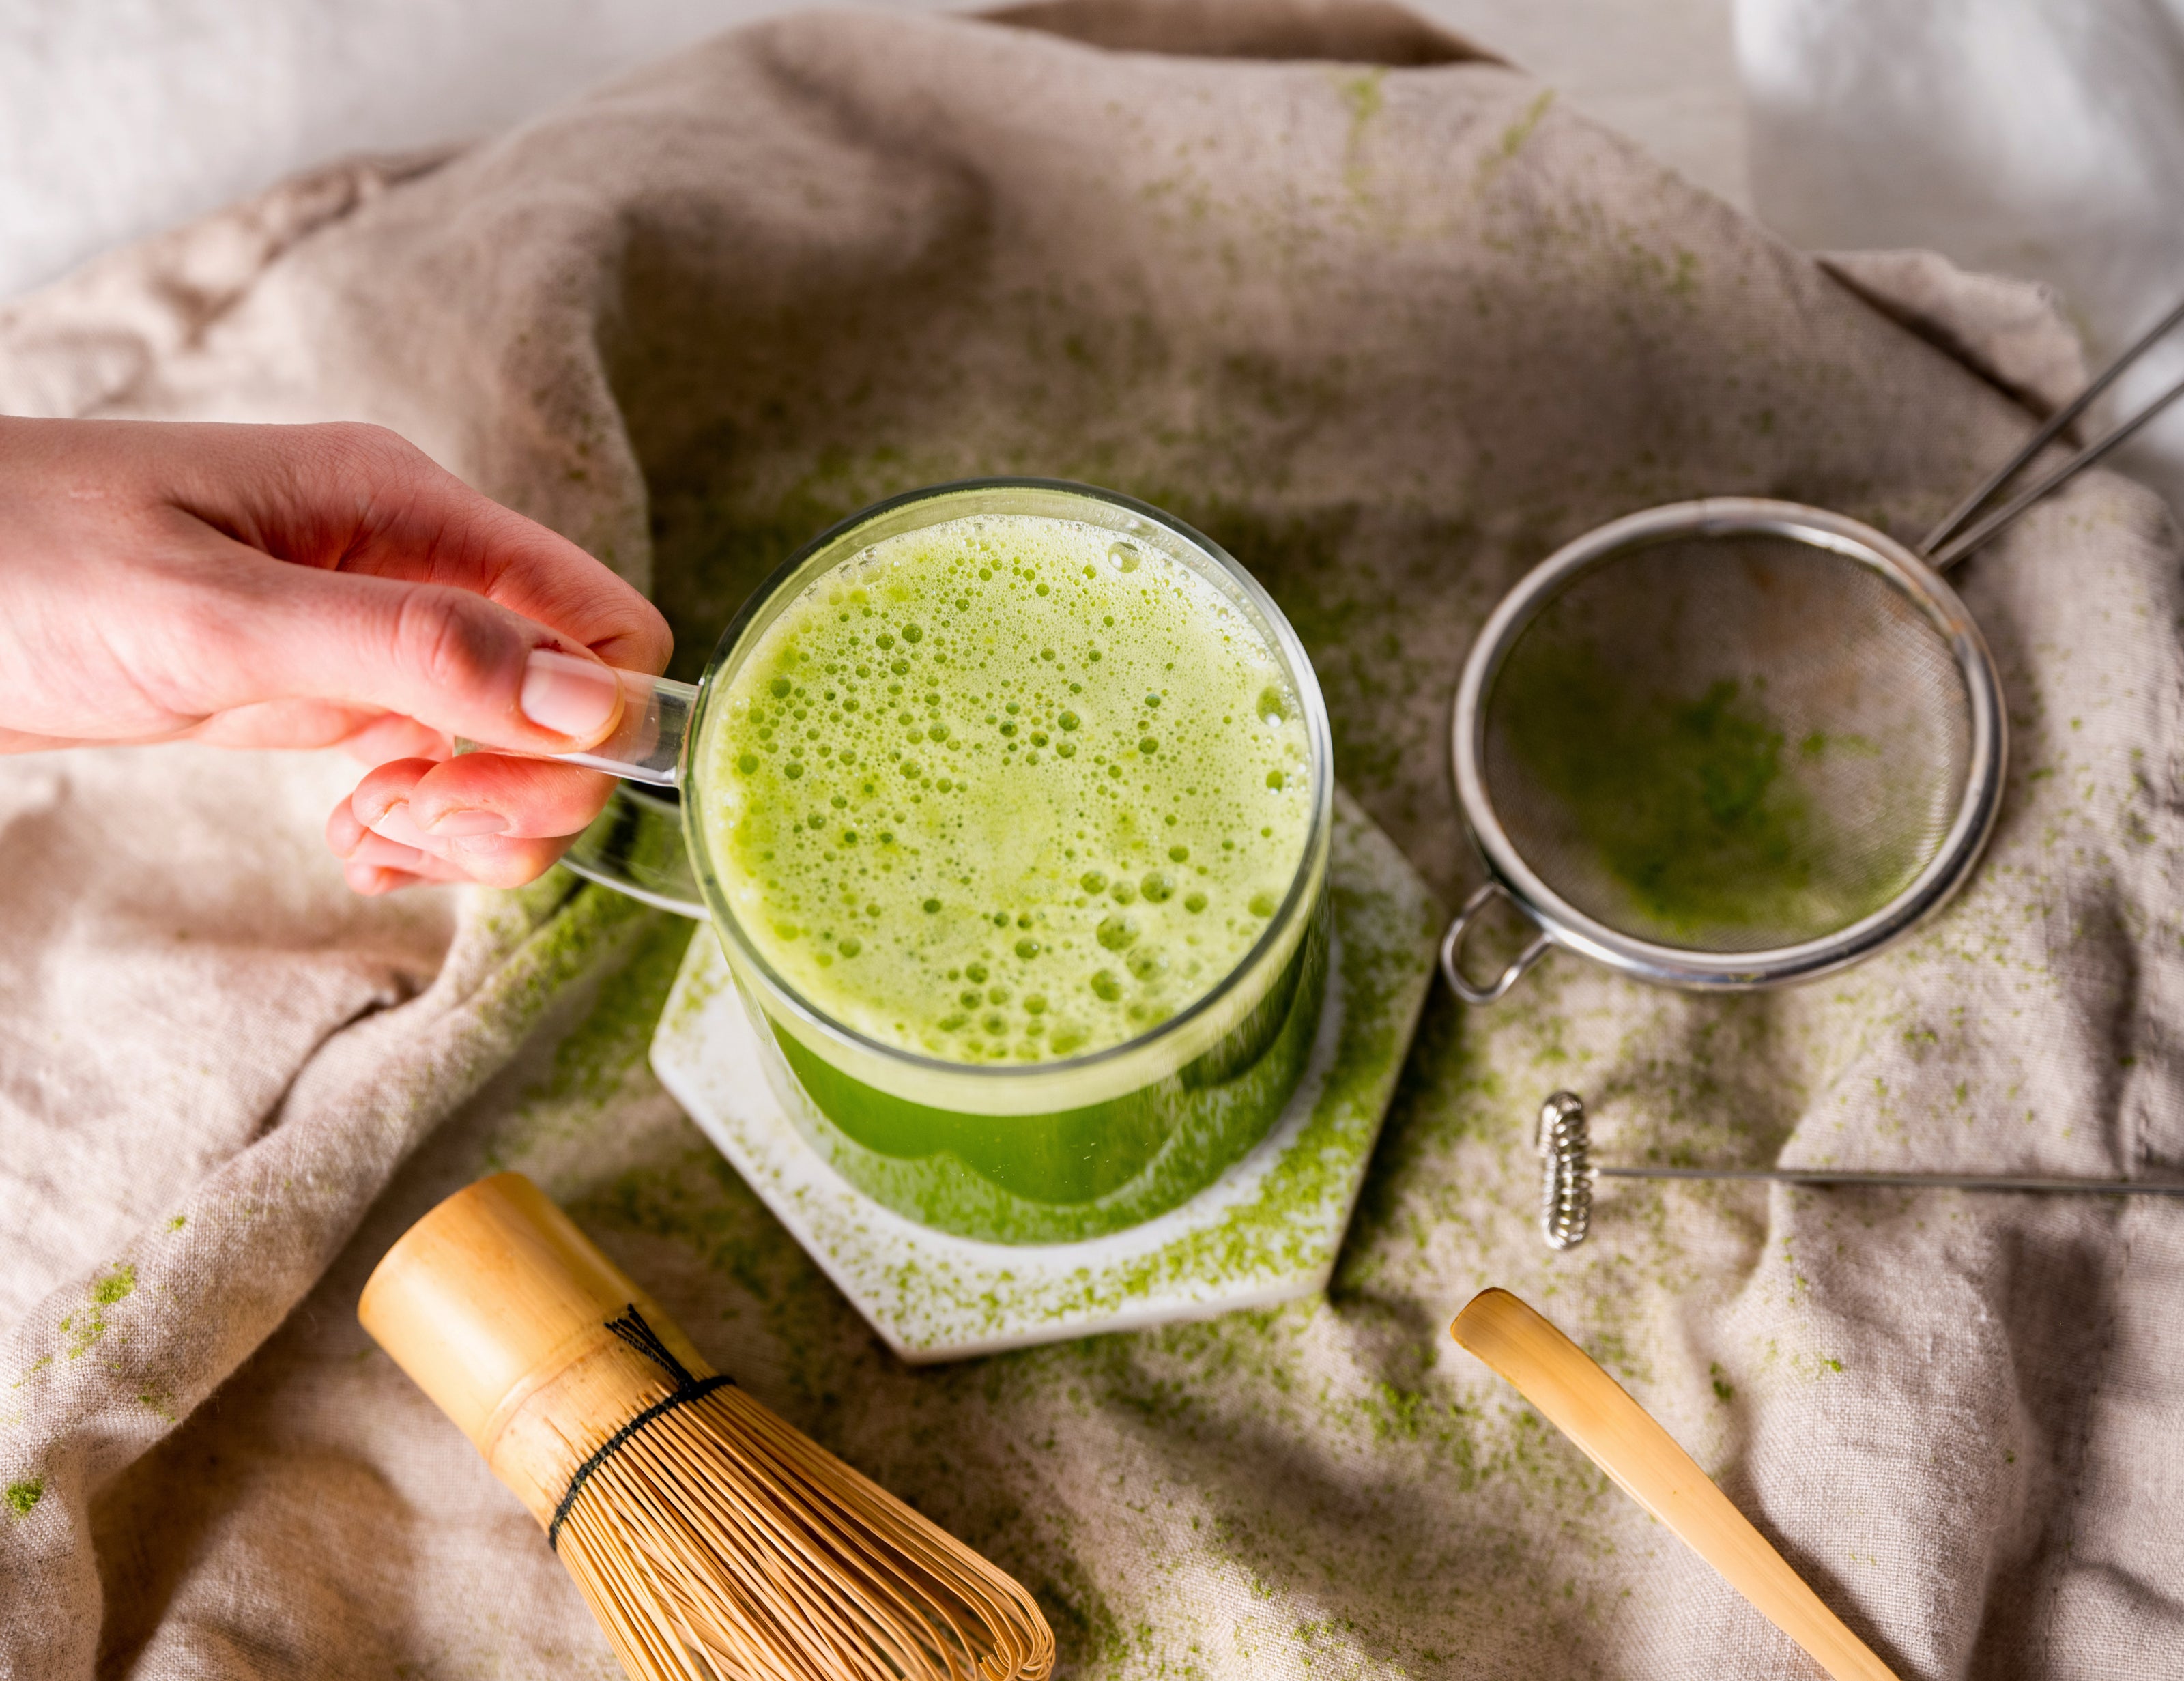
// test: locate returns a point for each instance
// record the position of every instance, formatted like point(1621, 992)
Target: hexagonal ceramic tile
point(1265, 1231)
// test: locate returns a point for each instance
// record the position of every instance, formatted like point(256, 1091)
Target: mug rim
point(1283, 927)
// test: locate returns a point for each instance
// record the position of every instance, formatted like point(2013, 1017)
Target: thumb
point(446, 656)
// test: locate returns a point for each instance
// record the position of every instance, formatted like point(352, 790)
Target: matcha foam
point(1008, 788)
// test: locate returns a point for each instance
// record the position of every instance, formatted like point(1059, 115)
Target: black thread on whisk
point(631, 1328)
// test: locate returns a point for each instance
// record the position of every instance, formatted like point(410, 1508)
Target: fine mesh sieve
point(1737, 743)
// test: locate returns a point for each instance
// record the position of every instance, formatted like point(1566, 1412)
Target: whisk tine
point(808, 1590)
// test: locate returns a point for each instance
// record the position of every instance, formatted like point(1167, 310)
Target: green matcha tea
point(1008, 791)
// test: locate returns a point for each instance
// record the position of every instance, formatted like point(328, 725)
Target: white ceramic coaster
point(1265, 1231)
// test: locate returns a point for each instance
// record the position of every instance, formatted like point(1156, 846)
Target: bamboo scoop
point(712, 1541)
point(1622, 1439)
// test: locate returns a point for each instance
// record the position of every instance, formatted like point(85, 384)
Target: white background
point(2043, 138)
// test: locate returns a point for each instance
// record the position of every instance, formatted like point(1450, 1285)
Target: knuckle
point(343, 830)
point(449, 641)
point(370, 466)
point(365, 448)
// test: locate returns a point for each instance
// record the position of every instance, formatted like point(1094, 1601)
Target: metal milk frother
point(1568, 1174)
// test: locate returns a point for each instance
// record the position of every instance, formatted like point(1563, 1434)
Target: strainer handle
point(1944, 547)
point(1451, 949)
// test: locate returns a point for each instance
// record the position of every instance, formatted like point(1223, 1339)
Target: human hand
point(308, 586)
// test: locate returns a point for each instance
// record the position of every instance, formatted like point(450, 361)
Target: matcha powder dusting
point(1687, 819)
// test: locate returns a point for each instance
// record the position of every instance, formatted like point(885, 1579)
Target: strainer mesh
point(1728, 743)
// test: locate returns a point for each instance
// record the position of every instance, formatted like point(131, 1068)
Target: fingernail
point(397, 824)
point(468, 820)
point(569, 696)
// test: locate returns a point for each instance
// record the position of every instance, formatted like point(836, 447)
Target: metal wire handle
point(1451, 949)
point(1945, 557)
point(1567, 1175)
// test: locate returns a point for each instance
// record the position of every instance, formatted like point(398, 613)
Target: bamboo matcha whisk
point(713, 1542)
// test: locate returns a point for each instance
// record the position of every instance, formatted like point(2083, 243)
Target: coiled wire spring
point(1567, 1175)
point(1565, 1171)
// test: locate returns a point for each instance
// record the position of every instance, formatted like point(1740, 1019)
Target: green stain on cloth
point(86, 1327)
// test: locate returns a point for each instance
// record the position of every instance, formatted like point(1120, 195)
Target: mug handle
point(1451, 949)
point(647, 745)
point(636, 845)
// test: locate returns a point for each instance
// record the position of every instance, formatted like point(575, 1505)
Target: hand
point(310, 586)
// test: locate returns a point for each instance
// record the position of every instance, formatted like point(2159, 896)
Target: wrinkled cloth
point(1388, 331)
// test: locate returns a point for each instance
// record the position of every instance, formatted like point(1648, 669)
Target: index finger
point(360, 499)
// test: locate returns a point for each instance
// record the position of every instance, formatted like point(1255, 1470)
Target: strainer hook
point(1452, 947)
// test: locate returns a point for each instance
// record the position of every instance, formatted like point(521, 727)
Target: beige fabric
point(1389, 336)
point(2011, 330)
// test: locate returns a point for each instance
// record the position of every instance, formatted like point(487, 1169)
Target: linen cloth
point(1389, 330)
point(120, 118)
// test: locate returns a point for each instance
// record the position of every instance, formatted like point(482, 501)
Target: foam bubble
point(1019, 818)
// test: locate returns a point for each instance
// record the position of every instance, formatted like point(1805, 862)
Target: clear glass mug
point(1046, 1152)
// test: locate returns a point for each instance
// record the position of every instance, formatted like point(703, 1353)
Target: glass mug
point(1041, 1152)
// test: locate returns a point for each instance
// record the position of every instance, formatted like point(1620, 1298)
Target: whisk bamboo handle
point(712, 1541)
point(1622, 1438)
point(497, 1307)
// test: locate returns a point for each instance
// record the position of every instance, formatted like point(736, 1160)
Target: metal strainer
point(1737, 743)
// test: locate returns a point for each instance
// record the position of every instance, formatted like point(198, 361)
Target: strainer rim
point(1567, 926)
